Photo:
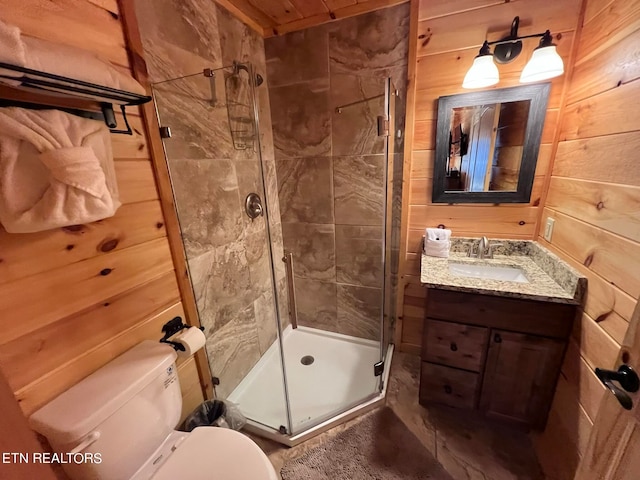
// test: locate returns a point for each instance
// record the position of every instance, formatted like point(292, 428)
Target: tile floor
point(469, 448)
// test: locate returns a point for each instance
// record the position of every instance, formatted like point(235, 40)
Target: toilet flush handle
point(92, 438)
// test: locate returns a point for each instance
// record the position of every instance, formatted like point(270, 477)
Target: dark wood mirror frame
point(538, 94)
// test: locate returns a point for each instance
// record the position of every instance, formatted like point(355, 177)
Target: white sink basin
point(489, 272)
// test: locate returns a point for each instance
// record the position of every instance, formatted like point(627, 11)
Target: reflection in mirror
point(485, 148)
point(487, 145)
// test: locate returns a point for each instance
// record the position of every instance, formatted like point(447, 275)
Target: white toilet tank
point(123, 412)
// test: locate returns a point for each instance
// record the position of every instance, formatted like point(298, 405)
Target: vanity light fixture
point(545, 62)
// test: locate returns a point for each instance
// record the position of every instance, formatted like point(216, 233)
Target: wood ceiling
point(277, 17)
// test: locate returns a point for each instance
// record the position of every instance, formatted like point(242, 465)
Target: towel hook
point(110, 119)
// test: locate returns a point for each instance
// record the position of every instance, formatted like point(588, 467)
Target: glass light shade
point(482, 73)
point(545, 63)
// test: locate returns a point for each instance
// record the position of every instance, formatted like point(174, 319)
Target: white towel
point(11, 51)
point(437, 242)
point(437, 249)
point(59, 59)
point(438, 234)
point(56, 170)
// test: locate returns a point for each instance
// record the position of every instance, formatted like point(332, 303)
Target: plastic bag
point(217, 413)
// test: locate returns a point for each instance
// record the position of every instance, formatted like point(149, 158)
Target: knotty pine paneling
point(448, 37)
point(72, 299)
point(594, 196)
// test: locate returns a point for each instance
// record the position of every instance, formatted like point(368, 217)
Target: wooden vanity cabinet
point(500, 356)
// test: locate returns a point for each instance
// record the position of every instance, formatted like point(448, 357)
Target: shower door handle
point(253, 206)
point(291, 289)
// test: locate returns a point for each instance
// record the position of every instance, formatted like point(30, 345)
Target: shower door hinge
point(378, 369)
point(215, 381)
point(165, 132)
point(383, 126)
point(283, 430)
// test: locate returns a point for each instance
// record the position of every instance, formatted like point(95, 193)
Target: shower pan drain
point(307, 360)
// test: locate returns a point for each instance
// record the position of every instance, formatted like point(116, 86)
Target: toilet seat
point(216, 453)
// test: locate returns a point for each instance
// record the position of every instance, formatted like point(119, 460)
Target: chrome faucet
point(482, 247)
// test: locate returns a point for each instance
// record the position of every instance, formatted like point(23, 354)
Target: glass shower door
point(333, 357)
point(217, 175)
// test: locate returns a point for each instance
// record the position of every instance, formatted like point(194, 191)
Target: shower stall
point(294, 359)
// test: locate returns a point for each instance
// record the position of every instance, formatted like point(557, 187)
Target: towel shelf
point(40, 90)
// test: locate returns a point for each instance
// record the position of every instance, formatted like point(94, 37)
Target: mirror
point(487, 145)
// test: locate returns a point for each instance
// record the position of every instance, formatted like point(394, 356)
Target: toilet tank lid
point(74, 413)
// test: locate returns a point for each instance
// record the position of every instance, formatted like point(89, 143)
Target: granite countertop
point(550, 278)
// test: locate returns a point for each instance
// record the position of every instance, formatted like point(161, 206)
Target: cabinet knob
point(453, 347)
point(447, 389)
point(497, 338)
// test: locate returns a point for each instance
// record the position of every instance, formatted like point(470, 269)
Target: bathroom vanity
point(496, 329)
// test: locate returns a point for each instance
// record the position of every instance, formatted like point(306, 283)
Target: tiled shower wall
point(330, 164)
point(227, 252)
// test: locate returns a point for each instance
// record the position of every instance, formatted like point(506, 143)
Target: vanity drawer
point(449, 386)
point(454, 344)
point(525, 316)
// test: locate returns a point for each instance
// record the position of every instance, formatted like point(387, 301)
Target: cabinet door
point(520, 377)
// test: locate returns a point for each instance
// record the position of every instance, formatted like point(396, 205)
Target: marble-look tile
point(402, 397)
point(249, 181)
point(277, 247)
point(359, 311)
point(259, 261)
point(238, 41)
point(317, 304)
point(198, 129)
point(301, 119)
point(271, 191)
point(222, 285)
point(471, 444)
point(266, 321)
point(313, 248)
point(305, 189)
point(359, 255)
point(371, 41)
point(265, 122)
point(199, 272)
point(356, 103)
point(359, 189)
point(248, 173)
point(166, 61)
point(297, 56)
point(208, 203)
point(172, 31)
point(233, 350)
point(189, 24)
point(457, 467)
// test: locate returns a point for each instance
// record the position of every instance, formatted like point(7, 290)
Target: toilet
point(118, 424)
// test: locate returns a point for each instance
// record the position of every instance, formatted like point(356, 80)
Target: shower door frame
point(258, 150)
point(377, 397)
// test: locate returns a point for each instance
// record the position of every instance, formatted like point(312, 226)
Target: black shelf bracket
point(75, 92)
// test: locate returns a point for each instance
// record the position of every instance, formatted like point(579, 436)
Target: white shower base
point(340, 377)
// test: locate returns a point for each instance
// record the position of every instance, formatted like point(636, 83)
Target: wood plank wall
point(60, 318)
point(594, 197)
point(448, 37)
